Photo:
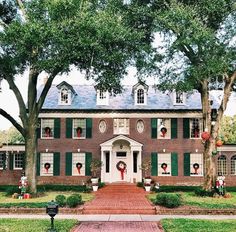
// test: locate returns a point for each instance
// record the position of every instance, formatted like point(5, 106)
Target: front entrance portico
point(121, 157)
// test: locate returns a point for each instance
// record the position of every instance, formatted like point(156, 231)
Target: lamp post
point(52, 211)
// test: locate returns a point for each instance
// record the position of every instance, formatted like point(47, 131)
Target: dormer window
point(65, 93)
point(179, 98)
point(102, 97)
point(65, 96)
point(139, 92)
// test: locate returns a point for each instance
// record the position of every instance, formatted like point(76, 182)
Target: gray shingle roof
point(86, 100)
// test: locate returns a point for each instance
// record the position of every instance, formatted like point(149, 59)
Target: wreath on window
point(79, 131)
point(47, 166)
point(163, 131)
point(47, 131)
point(121, 166)
point(195, 167)
point(79, 166)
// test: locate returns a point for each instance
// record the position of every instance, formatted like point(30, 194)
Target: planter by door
point(95, 188)
point(147, 188)
point(94, 180)
point(147, 180)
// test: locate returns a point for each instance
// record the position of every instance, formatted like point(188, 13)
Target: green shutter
point(174, 127)
point(38, 165)
point(153, 128)
point(38, 130)
point(11, 161)
point(174, 164)
point(23, 161)
point(154, 161)
point(68, 163)
point(186, 128)
point(88, 159)
point(69, 124)
point(56, 164)
point(186, 164)
point(57, 128)
point(4, 161)
point(88, 128)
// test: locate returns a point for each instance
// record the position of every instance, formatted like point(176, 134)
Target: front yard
point(190, 199)
point(38, 202)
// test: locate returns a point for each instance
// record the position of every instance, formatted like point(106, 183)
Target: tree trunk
point(30, 152)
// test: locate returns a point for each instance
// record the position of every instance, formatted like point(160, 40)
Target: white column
point(131, 165)
point(139, 165)
point(103, 166)
point(111, 162)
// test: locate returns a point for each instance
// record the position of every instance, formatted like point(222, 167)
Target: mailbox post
point(52, 211)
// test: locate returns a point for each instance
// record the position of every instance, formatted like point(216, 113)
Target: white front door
point(121, 166)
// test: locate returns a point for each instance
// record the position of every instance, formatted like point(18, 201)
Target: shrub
point(11, 190)
point(169, 200)
point(203, 193)
point(76, 188)
point(169, 189)
point(140, 184)
point(61, 200)
point(73, 200)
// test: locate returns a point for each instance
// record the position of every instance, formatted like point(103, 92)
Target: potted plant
point(147, 187)
point(146, 167)
point(95, 167)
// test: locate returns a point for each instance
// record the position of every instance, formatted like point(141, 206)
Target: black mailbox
point(52, 209)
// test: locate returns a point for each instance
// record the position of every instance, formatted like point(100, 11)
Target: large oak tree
point(48, 36)
point(199, 40)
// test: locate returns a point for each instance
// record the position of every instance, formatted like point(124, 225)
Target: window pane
point(64, 96)
point(121, 126)
point(164, 128)
point(79, 128)
point(196, 164)
point(1, 160)
point(18, 161)
point(46, 164)
point(222, 165)
point(233, 165)
point(140, 96)
point(179, 98)
point(47, 128)
point(195, 127)
point(78, 164)
point(164, 164)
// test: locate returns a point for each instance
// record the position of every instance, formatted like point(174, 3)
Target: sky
point(9, 103)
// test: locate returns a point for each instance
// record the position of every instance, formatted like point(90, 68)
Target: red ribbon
point(122, 170)
point(78, 168)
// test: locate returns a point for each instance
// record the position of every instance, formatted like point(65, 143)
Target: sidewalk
point(118, 217)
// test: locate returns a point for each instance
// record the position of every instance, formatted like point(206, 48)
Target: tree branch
point(19, 98)
point(46, 88)
point(13, 121)
point(21, 6)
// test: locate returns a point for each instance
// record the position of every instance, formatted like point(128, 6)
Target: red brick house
point(78, 123)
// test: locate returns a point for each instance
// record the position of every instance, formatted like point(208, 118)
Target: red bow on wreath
point(78, 166)
point(121, 166)
point(47, 166)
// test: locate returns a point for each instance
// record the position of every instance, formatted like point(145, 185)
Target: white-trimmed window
point(164, 164)
point(2, 160)
point(233, 165)
point(121, 126)
point(164, 128)
point(102, 97)
point(179, 98)
point(195, 128)
point(18, 161)
point(78, 164)
point(46, 164)
point(65, 96)
point(47, 128)
point(79, 128)
point(196, 164)
point(222, 165)
point(141, 96)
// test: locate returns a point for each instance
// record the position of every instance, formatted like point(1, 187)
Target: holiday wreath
point(121, 166)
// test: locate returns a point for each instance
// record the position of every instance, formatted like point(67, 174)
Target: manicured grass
point(190, 199)
point(38, 202)
point(193, 225)
point(32, 225)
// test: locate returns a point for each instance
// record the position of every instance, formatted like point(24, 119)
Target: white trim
point(102, 101)
point(12, 148)
point(120, 115)
point(174, 99)
point(227, 148)
point(14, 161)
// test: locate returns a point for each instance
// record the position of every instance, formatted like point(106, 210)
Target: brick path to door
point(119, 199)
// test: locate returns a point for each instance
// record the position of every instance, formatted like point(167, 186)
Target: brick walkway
point(120, 199)
point(118, 227)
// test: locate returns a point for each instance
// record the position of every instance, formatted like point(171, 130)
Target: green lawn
point(193, 225)
point(191, 199)
point(50, 195)
point(32, 225)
